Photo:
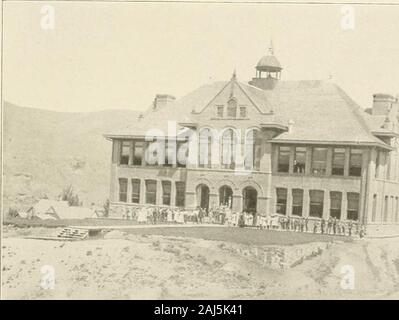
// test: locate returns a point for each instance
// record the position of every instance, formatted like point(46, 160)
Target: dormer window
point(232, 108)
point(243, 112)
point(219, 111)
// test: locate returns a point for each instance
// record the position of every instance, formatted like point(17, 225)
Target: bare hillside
point(45, 150)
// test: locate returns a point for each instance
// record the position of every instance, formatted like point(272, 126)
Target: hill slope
point(44, 151)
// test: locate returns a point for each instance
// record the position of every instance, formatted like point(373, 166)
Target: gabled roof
point(321, 112)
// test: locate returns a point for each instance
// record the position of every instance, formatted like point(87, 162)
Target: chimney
point(291, 126)
point(161, 100)
point(382, 104)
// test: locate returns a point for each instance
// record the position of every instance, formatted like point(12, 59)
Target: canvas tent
point(50, 209)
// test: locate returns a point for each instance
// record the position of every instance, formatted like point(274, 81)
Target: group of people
point(225, 216)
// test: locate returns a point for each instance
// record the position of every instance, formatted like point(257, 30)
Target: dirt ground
point(134, 266)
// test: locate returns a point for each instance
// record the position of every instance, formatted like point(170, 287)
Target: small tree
point(72, 198)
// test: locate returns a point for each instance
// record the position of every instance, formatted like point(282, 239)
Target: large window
point(316, 203)
point(297, 202)
point(138, 149)
point(353, 205)
point(166, 192)
point(252, 150)
point(300, 160)
point(182, 153)
point(335, 204)
point(170, 153)
point(125, 152)
point(135, 190)
point(232, 108)
point(283, 159)
point(151, 192)
point(355, 163)
point(281, 206)
point(180, 194)
point(338, 162)
point(122, 189)
point(319, 161)
point(205, 148)
point(228, 149)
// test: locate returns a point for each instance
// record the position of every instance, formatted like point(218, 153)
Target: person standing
point(323, 225)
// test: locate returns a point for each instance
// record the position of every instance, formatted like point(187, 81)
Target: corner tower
point(268, 71)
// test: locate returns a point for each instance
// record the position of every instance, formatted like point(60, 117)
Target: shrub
point(72, 198)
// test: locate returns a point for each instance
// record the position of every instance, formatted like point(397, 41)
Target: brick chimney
point(161, 100)
point(382, 104)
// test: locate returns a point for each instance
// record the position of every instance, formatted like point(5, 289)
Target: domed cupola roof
point(269, 63)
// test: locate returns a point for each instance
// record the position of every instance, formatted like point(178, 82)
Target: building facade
point(296, 148)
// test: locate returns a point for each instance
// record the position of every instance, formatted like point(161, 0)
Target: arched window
point(205, 147)
point(226, 196)
point(252, 150)
point(229, 140)
point(232, 108)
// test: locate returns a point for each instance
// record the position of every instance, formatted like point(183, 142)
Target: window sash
point(151, 191)
point(166, 192)
point(123, 190)
point(180, 194)
point(283, 159)
point(125, 152)
point(135, 191)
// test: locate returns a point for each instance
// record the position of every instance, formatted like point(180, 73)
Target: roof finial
point(271, 48)
point(234, 77)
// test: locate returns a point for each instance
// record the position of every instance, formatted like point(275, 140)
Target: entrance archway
point(203, 196)
point(226, 196)
point(250, 199)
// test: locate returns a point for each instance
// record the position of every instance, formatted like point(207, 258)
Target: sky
point(120, 55)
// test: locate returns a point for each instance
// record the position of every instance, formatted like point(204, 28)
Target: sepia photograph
point(199, 150)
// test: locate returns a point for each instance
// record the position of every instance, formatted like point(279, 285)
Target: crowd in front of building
point(223, 215)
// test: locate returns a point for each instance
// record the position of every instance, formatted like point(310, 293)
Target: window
point(355, 163)
point(205, 148)
point(170, 153)
point(135, 190)
point(335, 204)
point(243, 112)
point(166, 192)
point(125, 152)
point(138, 147)
point(378, 164)
point(122, 189)
point(283, 159)
point(353, 206)
point(219, 111)
point(338, 161)
point(152, 154)
point(374, 212)
point(180, 194)
point(182, 153)
point(228, 149)
point(252, 150)
point(319, 161)
point(297, 202)
point(151, 192)
point(232, 108)
point(397, 210)
point(300, 160)
point(386, 205)
point(281, 207)
point(316, 203)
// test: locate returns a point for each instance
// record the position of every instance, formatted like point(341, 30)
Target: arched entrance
point(226, 196)
point(250, 199)
point(203, 196)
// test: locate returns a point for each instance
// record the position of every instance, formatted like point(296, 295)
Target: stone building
point(297, 148)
